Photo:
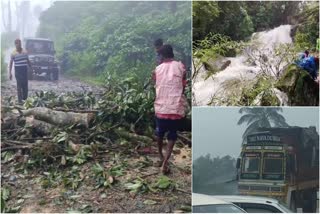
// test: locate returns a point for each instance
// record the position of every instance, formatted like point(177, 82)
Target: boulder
point(301, 89)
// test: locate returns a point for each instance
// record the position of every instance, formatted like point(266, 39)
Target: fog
point(24, 15)
point(215, 130)
point(24, 20)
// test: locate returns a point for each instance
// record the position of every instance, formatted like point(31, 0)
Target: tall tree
point(261, 117)
point(7, 22)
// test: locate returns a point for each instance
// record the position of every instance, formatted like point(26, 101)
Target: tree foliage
point(210, 170)
point(260, 118)
point(239, 19)
point(102, 38)
point(308, 30)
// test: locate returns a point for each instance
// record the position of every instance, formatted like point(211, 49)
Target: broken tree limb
point(13, 142)
point(35, 139)
point(39, 126)
point(102, 132)
point(15, 147)
point(10, 120)
point(75, 110)
point(133, 137)
point(184, 139)
point(59, 118)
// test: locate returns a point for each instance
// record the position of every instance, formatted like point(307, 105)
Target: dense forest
point(239, 19)
point(212, 175)
point(118, 39)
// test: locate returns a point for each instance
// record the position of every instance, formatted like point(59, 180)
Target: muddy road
point(63, 85)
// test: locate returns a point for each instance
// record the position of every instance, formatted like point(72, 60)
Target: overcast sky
point(215, 130)
point(32, 22)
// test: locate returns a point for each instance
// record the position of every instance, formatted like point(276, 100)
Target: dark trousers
point(21, 73)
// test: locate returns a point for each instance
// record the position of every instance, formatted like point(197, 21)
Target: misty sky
point(215, 130)
point(32, 22)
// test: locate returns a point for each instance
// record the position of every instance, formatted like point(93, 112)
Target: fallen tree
point(59, 118)
point(72, 121)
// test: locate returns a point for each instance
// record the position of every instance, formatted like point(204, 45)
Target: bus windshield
point(273, 164)
point(251, 163)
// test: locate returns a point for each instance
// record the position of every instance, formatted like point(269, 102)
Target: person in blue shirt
point(309, 63)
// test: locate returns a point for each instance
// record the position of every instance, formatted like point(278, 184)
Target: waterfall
point(226, 83)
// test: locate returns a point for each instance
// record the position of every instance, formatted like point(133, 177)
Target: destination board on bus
point(263, 138)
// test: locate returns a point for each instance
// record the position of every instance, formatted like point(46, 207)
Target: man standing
point(21, 62)
point(170, 103)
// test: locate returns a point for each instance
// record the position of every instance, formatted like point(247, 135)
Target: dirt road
point(63, 85)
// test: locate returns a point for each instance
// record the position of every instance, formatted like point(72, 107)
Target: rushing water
point(239, 73)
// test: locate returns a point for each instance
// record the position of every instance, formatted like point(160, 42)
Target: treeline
point(116, 38)
point(239, 19)
point(209, 170)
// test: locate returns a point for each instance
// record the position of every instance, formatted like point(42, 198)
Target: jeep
point(41, 55)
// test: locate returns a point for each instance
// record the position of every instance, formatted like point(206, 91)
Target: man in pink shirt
point(170, 102)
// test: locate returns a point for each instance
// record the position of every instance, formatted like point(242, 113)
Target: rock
point(12, 178)
point(264, 58)
point(253, 63)
point(225, 65)
point(293, 30)
point(301, 89)
point(5, 176)
point(218, 64)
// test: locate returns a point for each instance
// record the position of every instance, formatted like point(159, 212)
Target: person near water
point(170, 102)
point(21, 62)
point(157, 45)
point(310, 64)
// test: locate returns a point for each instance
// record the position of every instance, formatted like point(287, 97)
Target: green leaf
point(149, 202)
point(134, 187)
point(163, 182)
point(3, 204)
point(5, 193)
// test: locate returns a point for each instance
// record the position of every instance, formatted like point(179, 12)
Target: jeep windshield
point(39, 47)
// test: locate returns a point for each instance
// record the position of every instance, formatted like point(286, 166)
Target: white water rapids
point(226, 83)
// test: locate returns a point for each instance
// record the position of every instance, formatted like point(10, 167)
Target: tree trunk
point(42, 128)
point(9, 17)
point(59, 118)
point(133, 137)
